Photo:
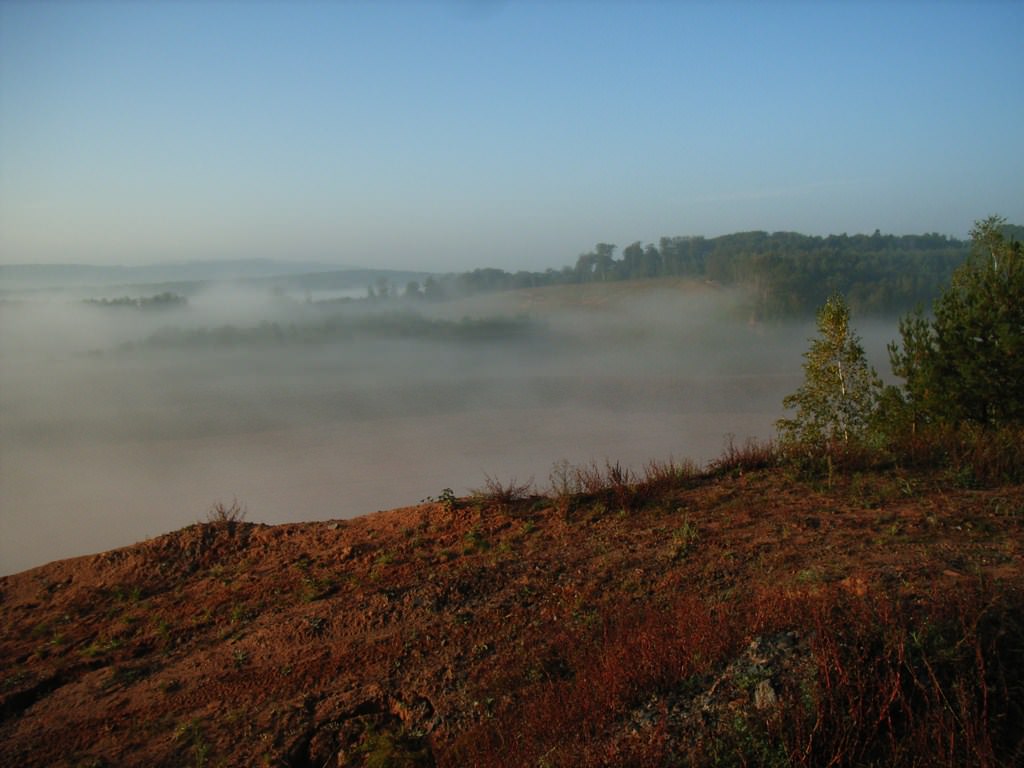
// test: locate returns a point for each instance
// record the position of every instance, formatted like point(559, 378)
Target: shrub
point(501, 493)
point(752, 455)
point(227, 513)
point(972, 454)
point(665, 476)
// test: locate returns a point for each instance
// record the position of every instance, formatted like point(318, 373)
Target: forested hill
point(783, 274)
point(786, 273)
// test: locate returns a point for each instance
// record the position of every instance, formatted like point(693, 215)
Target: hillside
point(720, 615)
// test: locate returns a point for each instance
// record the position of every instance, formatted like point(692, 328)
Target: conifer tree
point(967, 363)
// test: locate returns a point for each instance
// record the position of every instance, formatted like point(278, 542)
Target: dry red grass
point(745, 617)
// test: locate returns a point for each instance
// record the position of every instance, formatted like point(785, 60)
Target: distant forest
point(784, 273)
point(779, 274)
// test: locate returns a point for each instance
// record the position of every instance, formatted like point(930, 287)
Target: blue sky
point(452, 135)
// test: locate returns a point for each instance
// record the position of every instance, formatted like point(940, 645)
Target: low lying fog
point(103, 445)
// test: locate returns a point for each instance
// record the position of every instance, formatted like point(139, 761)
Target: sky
point(444, 136)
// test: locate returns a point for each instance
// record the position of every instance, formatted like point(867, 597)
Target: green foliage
point(966, 364)
point(784, 273)
point(447, 499)
point(840, 392)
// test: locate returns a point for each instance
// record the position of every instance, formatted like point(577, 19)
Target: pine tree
point(967, 364)
point(840, 390)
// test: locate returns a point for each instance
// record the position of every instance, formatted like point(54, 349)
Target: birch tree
point(840, 391)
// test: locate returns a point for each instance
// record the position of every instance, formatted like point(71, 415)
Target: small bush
point(617, 487)
point(221, 513)
point(987, 456)
point(661, 477)
point(752, 455)
point(562, 479)
point(620, 485)
point(614, 485)
point(503, 494)
point(447, 499)
point(564, 485)
point(591, 479)
point(972, 455)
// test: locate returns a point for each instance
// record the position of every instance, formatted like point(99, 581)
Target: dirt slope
point(328, 643)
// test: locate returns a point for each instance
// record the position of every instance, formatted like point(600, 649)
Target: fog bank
point(103, 444)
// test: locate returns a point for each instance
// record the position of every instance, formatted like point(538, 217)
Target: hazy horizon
point(447, 136)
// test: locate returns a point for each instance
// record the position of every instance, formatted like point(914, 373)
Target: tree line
point(783, 273)
point(165, 300)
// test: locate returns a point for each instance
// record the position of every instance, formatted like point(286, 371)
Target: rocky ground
point(439, 633)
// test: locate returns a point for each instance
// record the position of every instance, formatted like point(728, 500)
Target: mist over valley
point(118, 423)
